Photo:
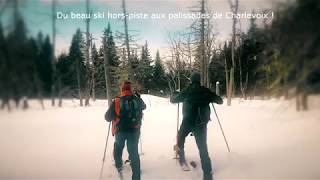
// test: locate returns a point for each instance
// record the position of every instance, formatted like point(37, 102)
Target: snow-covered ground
point(268, 140)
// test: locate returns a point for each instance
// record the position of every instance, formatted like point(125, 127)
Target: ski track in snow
point(268, 140)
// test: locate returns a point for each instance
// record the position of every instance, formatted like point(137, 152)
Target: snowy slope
point(268, 140)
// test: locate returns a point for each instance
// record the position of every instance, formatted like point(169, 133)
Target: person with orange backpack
point(125, 113)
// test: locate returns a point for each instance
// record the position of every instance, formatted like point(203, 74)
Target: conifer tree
point(44, 67)
point(158, 79)
point(77, 58)
point(94, 58)
point(144, 70)
point(113, 63)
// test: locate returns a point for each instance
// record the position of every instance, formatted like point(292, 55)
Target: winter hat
point(195, 77)
point(126, 86)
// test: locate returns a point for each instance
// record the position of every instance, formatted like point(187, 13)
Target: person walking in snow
point(125, 113)
point(196, 114)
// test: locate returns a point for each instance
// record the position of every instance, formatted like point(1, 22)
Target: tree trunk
point(246, 86)
point(189, 53)
point(231, 83)
point(39, 90)
point(93, 75)
point(106, 71)
point(93, 84)
point(6, 103)
point(298, 103)
point(60, 92)
point(286, 92)
point(304, 100)
point(253, 93)
point(301, 99)
point(178, 69)
point(79, 81)
point(242, 88)
point(230, 87)
point(53, 59)
point(170, 87)
point(25, 104)
point(87, 88)
point(202, 46)
point(127, 39)
point(227, 76)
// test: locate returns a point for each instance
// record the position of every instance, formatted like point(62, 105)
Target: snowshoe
point(184, 166)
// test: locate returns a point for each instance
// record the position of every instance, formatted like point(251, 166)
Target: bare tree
point(171, 75)
point(87, 88)
point(53, 59)
point(93, 74)
point(210, 48)
point(243, 82)
point(187, 48)
point(226, 70)
point(234, 9)
point(125, 20)
point(204, 37)
point(176, 56)
point(78, 71)
point(202, 48)
point(106, 69)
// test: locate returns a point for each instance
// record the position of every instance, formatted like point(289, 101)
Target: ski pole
point(176, 147)
point(225, 139)
point(141, 138)
point(105, 149)
point(141, 145)
point(178, 121)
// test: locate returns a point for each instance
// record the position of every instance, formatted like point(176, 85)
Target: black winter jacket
point(196, 100)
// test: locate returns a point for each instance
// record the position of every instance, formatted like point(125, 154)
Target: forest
point(275, 59)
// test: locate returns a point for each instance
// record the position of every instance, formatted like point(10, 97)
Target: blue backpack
point(130, 112)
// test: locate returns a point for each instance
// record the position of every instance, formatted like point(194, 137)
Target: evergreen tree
point(100, 79)
point(17, 61)
point(158, 79)
point(76, 56)
point(94, 58)
point(144, 70)
point(3, 62)
point(113, 62)
point(250, 52)
point(4, 78)
point(65, 72)
point(35, 83)
point(217, 71)
point(43, 63)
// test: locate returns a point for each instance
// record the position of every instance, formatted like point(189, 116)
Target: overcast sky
point(37, 14)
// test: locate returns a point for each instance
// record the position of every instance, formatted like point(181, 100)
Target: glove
point(136, 94)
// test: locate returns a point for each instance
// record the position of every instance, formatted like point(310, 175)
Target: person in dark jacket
point(196, 114)
point(125, 113)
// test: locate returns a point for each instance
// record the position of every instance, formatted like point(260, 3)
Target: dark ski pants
point(132, 139)
point(200, 135)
